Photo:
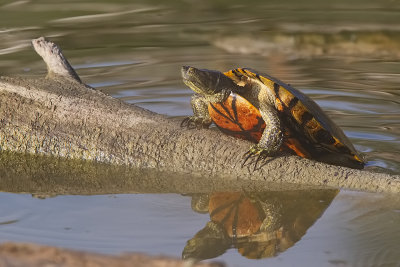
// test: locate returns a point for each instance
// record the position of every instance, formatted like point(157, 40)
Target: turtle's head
point(206, 82)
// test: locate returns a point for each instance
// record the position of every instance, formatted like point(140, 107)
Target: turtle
point(257, 224)
point(285, 111)
point(238, 220)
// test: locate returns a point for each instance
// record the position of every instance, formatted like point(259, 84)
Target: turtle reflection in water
point(258, 225)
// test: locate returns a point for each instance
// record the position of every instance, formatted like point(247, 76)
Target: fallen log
point(63, 117)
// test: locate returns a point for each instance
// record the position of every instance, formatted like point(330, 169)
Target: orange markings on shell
point(296, 147)
point(237, 117)
point(279, 105)
point(238, 214)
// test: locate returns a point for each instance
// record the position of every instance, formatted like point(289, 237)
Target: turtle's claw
point(255, 150)
point(194, 122)
point(185, 122)
point(189, 122)
point(246, 156)
point(261, 156)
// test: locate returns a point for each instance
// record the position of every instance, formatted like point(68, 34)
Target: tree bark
point(61, 116)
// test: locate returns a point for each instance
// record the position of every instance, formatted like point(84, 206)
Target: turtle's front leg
point(272, 137)
point(201, 118)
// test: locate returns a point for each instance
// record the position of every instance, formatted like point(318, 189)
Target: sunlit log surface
point(61, 116)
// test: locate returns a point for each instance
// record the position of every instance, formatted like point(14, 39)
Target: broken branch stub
point(57, 64)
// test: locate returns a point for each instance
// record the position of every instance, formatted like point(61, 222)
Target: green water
point(344, 54)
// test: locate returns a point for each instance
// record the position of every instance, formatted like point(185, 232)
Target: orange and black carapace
point(274, 115)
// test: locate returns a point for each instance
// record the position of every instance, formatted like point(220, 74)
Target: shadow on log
point(61, 116)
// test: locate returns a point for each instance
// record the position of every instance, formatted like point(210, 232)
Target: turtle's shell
point(312, 132)
point(239, 118)
point(243, 217)
point(237, 213)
